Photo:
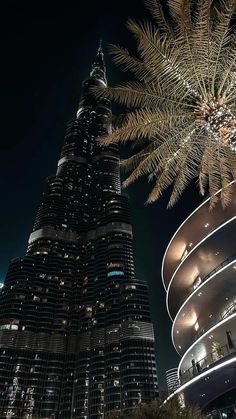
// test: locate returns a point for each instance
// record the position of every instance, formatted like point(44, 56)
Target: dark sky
point(46, 52)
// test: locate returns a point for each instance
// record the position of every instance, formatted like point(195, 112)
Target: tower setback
point(76, 340)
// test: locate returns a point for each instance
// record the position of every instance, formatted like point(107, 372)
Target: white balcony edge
point(184, 260)
point(181, 225)
point(200, 376)
point(203, 336)
point(193, 293)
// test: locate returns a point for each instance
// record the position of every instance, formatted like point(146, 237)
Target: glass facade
point(76, 340)
point(172, 380)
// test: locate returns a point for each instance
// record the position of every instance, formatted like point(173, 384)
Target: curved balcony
point(229, 311)
point(199, 269)
point(215, 294)
point(192, 231)
point(204, 260)
point(216, 336)
point(215, 377)
point(214, 357)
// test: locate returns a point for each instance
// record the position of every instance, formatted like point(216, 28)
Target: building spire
point(98, 70)
point(100, 45)
point(97, 77)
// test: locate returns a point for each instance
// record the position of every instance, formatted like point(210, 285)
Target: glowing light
point(200, 376)
point(215, 117)
point(196, 326)
point(192, 250)
point(168, 250)
point(115, 273)
point(201, 338)
point(186, 302)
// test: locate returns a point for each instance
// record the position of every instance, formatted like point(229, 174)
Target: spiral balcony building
point(199, 275)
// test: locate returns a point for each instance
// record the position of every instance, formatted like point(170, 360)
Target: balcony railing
point(215, 320)
point(224, 413)
point(220, 266)
point(217, 353)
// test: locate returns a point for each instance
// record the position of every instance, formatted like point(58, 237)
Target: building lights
point(204, 323)
point(80, 256)
point(115, 273)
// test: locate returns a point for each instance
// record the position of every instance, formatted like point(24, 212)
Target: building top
point(98, 70)
point(97, 78)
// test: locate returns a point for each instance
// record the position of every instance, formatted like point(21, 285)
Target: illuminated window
point(115, 273)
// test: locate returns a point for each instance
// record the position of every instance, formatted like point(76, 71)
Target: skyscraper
point(172, 380)
point(76, 340)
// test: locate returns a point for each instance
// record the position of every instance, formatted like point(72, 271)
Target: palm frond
point(131, 163)
point(226, 179)
point(153, 161)
point(162, 56)
point(229, 63)
point(186, 170)
point(128, 62)
point(144, 123)
point(138, 125)
point(222, 34)
point(180, 11)
point(135, 94)
point(163, 181)
point(157, 12)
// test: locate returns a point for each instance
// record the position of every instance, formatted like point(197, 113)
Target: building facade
point(199, 274)
point(172, 380)
point(76, 340)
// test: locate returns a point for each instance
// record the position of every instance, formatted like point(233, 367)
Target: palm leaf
point(156, 10)
point(222, 34)
point(128, 62)
point(162, 56)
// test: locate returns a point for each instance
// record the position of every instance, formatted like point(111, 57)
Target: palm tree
point(180, 107)
point(157, 410)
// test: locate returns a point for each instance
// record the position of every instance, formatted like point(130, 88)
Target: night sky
point(45, 54)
